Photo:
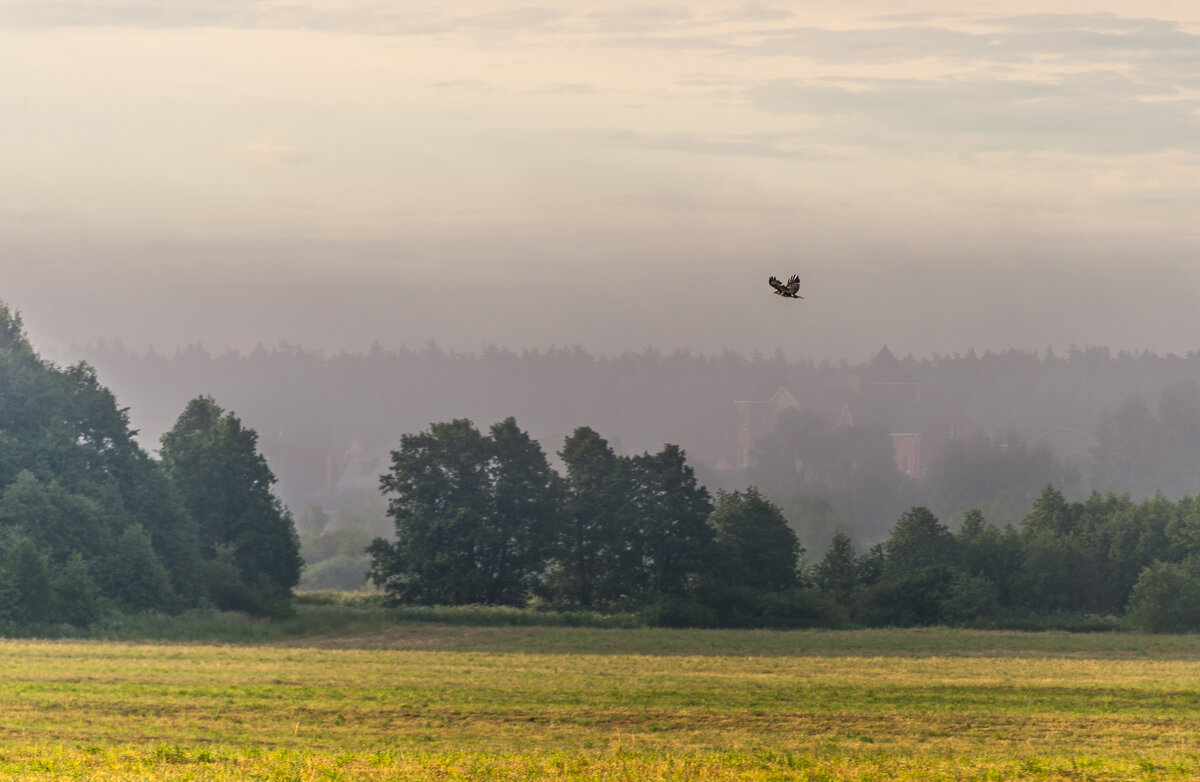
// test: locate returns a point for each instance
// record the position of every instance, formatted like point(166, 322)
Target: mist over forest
point(1131, 421)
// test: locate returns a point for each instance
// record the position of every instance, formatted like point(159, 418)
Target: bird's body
point(789, 291)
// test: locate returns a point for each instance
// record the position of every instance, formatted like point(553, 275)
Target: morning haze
point(615, 175)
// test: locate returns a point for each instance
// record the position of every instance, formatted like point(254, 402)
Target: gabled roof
point(780, 400)
point(783, 400)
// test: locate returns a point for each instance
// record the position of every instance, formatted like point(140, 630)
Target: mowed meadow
point(438, 702)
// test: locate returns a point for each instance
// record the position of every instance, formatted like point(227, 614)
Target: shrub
point(1166, 598)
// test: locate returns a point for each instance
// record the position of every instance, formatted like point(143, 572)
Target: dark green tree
point(1128, 538)
point(989, 553)
point(226, 487)
point(871, 565)
point(1051, 514)
point(907, 578)
point(75, 598)
point(671, 511)
point(523, 515)
point(1182, 532)
point(474, 516)
point(918, 541)
point(439, 499)
point(913, 597)
point(72, 477)
point(25, 590)
point(174, 534)
point(1166, 598)
point(837, 572)
point(593, 556)
point(56, 521)
point(135, 576)
point(756, 547)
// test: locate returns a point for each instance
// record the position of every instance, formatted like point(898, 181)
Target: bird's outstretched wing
point(793, 286)
point(779, 286)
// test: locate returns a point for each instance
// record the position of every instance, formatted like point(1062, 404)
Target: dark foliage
point(90, 522)
point(475, 516)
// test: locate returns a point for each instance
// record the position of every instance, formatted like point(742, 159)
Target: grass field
point(433, 702)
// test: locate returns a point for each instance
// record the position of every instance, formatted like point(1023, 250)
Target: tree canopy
point(225, 485)
point(90, 522)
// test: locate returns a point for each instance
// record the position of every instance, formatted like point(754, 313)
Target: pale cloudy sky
point(619, 175)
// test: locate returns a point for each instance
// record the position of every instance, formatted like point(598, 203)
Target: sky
point(615, 175)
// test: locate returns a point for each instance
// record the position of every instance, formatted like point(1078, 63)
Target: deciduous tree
point(226, 486)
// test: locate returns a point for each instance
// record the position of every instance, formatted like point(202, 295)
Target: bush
point(970, 599)
point(679, 612)
point(135, 576)
point(1166, 598)
point(745, 607)
point(917, 597)
point(25, 594)
point(74, 594)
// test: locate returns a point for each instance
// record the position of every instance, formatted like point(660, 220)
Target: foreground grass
point(429, 702)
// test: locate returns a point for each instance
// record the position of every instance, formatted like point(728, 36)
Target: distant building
point(353, 475)
point(918, 419)
point(920, 432)
point(756, 419)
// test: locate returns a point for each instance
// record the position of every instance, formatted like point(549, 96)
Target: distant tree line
point(482, 518)
point(90, 523)
point(310, 406)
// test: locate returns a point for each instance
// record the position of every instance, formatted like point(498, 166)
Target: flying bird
point(788, 291)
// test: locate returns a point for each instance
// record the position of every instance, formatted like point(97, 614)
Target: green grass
point(392, 700)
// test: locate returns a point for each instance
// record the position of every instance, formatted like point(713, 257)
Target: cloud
point(762, 145)
point(515, 19)
point(271, 150)
point(1062, 38)
point(569, 88)
point(369, 18)
point(890, 44)
point(638, 19)
point(1098, 112)
point(474, 85)
point(758, 12)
